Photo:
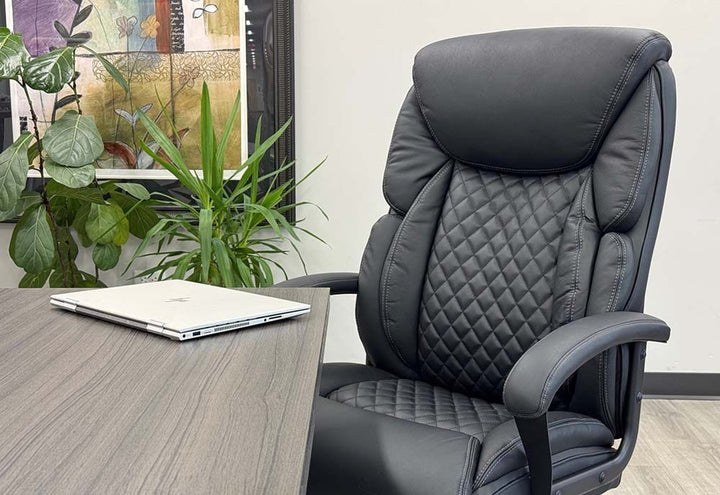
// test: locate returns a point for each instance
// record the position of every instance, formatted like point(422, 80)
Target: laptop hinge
point(155, 326)
point(70, 304)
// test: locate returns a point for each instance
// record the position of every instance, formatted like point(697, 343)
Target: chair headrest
point(535, 100)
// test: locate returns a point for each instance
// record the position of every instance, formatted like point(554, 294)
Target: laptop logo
point(178, 299)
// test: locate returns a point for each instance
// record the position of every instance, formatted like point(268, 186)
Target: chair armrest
point(539, 373)
point(338, 283)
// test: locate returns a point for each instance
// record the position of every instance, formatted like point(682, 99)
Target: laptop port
point(195, 334)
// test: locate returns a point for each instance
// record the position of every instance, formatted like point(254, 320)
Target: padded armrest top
point(539, 373)
point(338, 283)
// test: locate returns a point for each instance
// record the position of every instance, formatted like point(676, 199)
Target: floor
point(678, 450)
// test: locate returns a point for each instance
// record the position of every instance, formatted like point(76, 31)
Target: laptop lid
point(179, 305)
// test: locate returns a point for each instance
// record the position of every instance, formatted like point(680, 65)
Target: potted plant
point(71, 206)
point(234, 228)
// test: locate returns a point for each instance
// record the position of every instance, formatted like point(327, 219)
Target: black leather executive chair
point(500, 300)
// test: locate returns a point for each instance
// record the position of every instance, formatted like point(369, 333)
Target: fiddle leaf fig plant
point(234, 229)
point(71, 206)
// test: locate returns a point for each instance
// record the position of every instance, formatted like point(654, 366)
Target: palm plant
point(234, 229)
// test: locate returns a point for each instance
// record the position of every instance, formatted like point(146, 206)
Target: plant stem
point(73, 85)
point(43, 192)
point(33, 117)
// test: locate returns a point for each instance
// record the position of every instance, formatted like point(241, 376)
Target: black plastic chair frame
point(599, 478)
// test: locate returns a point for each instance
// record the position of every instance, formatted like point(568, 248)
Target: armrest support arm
point(539, 373)
point(338, 283)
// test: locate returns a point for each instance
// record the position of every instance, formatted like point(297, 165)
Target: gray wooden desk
point(90, 407)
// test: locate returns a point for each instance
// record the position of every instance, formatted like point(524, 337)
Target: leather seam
point(612, 306)
point(615, 96)
point(604, 393)
point(562, 360)
point(364, 261)
point(393, 250)
point(465, 474)
point(609, 108)
point(612, 301)
point(506, 449)
point(642, 165)
point(393, 145)
point(625, 260)
point(580, 240)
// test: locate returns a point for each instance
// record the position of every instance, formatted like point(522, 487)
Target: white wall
point(353, 61)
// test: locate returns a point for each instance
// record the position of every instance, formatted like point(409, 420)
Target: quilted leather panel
point(488, 291)
point(423, 403)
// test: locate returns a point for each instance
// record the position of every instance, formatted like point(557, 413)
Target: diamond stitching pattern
point(488, 291)
point(425, 404)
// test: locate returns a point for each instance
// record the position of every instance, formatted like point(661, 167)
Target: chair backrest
point(525, 181)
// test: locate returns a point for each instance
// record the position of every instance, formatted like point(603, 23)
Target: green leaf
point(12, 213)
point(225, 266)
point(103, 222)
point(142, 219)
point(33, 152)
point(207, 138)
point(106, 256)
point(260, 150)
point(183, 264)
point(52, 71)
point(82, 15)
point(222, 145)
point(176, 165)
point(137, 190)
point(246, 276)
point(34, 280)
point(64, 210)
point(85, 194)
point(69, 275)
point(123, 232)
point(85, 241)
point(156, 230)
point(66, 275)
point(73, 140)
point(57, 279)
point(81, 217)
point(13, 171)
point(111, 69)
point(267, 273)
point(31, 246)
point(87, 280)
point(73, 177)
point(205, 228)
point(12, 54)
point(66, 245)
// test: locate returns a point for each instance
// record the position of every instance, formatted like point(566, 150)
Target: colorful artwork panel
point(164, 48)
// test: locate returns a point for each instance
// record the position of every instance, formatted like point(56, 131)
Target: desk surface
point(91, 407)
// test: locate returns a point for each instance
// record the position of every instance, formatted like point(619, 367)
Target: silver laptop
point(178, 309)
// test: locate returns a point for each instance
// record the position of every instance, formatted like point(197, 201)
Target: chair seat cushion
point(425, 404)
point(376, 433)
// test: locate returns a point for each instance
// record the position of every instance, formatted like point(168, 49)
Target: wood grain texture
point(678, 450)
point(91, 407)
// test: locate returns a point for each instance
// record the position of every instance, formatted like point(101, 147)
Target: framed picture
point(166, 49)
